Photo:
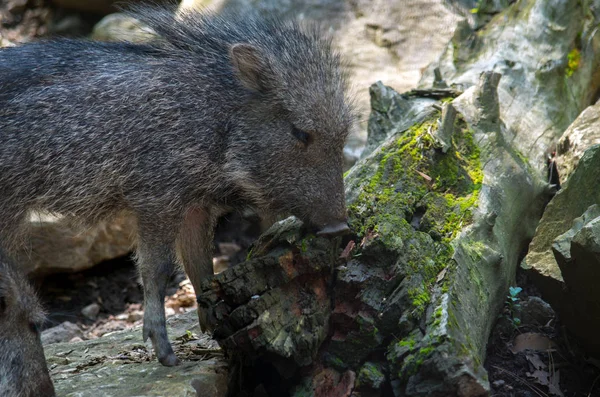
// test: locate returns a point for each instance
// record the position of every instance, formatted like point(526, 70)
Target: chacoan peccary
point(23, 371)
point(223, 111)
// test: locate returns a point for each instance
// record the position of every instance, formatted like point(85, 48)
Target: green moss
point(573, 61)
point(370, 375)
point(420, 300)
point(414, 179)
point(407, 342)
point(425, 351)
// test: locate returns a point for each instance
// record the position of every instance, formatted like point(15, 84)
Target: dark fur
point(174, 132)
point(23, 371)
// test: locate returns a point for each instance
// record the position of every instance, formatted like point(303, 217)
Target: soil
point(561, 370)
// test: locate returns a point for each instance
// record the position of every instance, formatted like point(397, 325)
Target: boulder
point(577, 253)
point(54, 245)
point(583, 133)
point(564, 243)
point(121, 27)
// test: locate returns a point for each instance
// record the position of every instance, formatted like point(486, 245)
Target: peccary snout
point(334, 229)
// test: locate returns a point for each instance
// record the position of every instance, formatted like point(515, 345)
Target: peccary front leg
point(195, 249)
point(156, 262)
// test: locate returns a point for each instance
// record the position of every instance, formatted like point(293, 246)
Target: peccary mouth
point(333, 230)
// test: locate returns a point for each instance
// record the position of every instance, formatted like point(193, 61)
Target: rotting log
point(404, 306)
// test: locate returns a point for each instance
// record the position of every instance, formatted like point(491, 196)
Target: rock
point(536, 312)
point(371, 375)
point(577, 253)
point(91, 311)
point(16, 6)
point(120, 365)
point(229, 249)
point(61, 333)
point(54, 245)
point(553, 241)
point(220, 263)
point(583, 133)
point(135, 316)
point(122, 27)
point(190, 5)
point(530, 44)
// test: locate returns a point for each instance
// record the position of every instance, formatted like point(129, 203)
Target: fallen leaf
point(346, 253)
point(531, 341)
point(536, 361)
point(545, 379)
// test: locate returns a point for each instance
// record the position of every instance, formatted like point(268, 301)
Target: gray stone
point(577, 253)
point(91, 311)
point(120, 365)
point(536, 312)
point(61, 333)
point(529, 44)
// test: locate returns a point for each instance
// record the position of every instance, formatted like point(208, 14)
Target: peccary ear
point(251, 67)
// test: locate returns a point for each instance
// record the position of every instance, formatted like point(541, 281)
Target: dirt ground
point(537, 358)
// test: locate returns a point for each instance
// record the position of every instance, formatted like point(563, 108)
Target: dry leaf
point(346, 253)
point(531, 341)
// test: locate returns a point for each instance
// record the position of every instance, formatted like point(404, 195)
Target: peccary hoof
point(334, 230)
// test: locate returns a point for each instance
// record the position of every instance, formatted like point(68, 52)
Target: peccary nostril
point(336, 229)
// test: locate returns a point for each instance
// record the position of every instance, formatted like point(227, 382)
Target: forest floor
point(537, 360)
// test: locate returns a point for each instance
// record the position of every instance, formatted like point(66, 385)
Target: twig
point(523, 381)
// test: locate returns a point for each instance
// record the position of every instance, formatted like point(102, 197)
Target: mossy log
point(440, 210)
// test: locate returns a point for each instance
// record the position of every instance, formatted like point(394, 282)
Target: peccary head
point(23, 371)
point(286, 148)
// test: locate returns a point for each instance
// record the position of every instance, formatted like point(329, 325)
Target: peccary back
point(221, 112)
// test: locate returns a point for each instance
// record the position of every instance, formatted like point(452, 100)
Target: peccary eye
point(300, 135)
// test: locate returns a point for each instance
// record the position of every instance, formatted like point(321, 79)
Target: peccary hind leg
point(195, 248)
point(156, 262)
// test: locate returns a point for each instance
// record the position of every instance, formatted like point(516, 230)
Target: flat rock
point(120, 365)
